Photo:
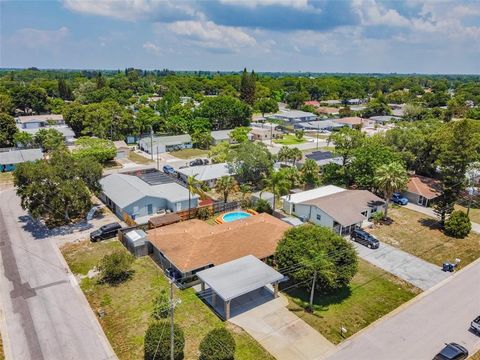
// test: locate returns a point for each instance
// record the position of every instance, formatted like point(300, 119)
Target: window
point(179, 206)
point(293, 208)
point(319, 217)
point(149, 209)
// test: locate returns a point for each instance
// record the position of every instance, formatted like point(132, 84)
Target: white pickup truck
point(475, 325)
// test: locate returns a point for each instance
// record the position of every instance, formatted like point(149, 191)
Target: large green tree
point(266, 106)
point(225, 112)
point(277, 184)
point(247, 87)
point(390, 178)
point(346, 141)
point(49, 139)
point(101, 150)
point(8, 129)
point(157, 342)
point(251, 162)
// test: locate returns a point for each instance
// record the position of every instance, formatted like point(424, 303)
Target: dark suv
point(452, 351)
point(105, 232)
point(364, 238)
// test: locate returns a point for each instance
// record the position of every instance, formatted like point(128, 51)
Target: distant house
point(188, 247)
point(327, 110)
point(33, 123)
point(351, 122)
point(313, 103)
point(331, 102)
point(10, 159)
point(319, 125)
point(294, 116)
point(422, 190)
point(123, 150)
point(322, 158)
point(221, 136)
point(141, 195)
point(333, 207)
point(264, 134)
point(356, 101)
point(163, 144)
point(384, 119)
point(207, 174)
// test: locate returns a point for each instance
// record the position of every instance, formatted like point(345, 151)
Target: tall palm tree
point(244, 189)
point(277, 184)
point(225, 185)
point(296, 155)
point(390, 178)
point(310, 173)
point(284, 154)
point(193, 186)
point(292, 175)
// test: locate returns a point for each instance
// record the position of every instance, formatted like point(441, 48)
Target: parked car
point(169, 170)
point(397, 198)
point(452, 351)
point(196, 162)
point(105, 232)
point(475, 325)
point(364, 238)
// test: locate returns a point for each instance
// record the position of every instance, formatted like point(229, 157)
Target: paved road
point(45, 315)
point(412, 269)
point(419, 329)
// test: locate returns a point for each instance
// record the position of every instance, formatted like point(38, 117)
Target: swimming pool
point(235, 215)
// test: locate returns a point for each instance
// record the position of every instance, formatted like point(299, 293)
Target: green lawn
point(289, 140)
point(139, 159)
point(421, 236)
point(372, 293)
point(128, 305)
point(476, 356)
point(474, 213)
point(189, 153)
point(2, 355)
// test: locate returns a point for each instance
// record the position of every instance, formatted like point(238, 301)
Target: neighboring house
point(322, 158)
point(422, 190)
point(10, 159)
point(264, 133)
point(264, 195)
point(190, 246)
point(122, 149)
point(207, 174)
point(326, 110)
point(313, 103)
point(331, 102)
point(33, 123)
point(397, 109)
point(384, 119)
point(294, 116)
point(333, 207)
point(162, 144)
point(319, 125)
point(351, 122)
point(221, 136)
point(141, 195)
point(356, 101)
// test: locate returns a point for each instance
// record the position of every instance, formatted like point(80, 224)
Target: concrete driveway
point(282, 333)
point(45, 316)
point(412, 269)
point(420, 328)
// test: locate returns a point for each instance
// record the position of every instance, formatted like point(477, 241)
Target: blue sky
point(267, 35)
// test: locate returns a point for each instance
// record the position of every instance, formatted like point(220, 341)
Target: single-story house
point(264, 195)
point(384, 119)
point(122, 149)
point(356, 101)
point(187, 247)
point(220, 136)
point(313, 103)
point(142, 194)
point(322, 158)
point(207, 174)
point(161, 144)
point(258, 133)
point(333, 207)
point(331, 102)
point(319, 125)
point(10, 159)
point(422, 190)
point(327, 110)
point(294, 116)
point(351, 122)
point(39, 121)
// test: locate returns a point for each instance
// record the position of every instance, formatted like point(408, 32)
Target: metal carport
point(238, 277)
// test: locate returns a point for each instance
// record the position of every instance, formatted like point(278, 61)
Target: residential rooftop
point(207, 172)
point(20, 156)
point(39, 118)
point(303, 196)
point(425, 186)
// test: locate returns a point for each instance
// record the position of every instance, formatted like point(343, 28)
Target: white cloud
point(152, 48)
point(36, 38)
point(210, 35)
point(298, 4)
point(372, 13)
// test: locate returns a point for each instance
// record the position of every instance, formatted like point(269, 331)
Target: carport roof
point(239, 277)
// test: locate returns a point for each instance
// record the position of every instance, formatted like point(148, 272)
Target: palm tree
point(244, 189)
point(390, 178)
point(284, 154)
point(277, 184)
point(225, 185)
point(193, 186)
point(296, 155)
point(310, 173)
point(292, 175)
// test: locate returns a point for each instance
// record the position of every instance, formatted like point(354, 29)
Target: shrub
point(263, 206)
point(204, 213)
point(157, 342)
point(116, 267)
point(161, 305)
point(218, 344)
point(377, 217)
point(458, 225)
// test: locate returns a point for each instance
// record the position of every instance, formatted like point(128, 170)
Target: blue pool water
point(236, 215)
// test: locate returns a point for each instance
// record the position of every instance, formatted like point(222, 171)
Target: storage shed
point(136, 242)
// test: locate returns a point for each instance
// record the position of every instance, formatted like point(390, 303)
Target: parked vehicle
point(448, 267)
point(475, 325)
point(364, 238)
point(105, 232)
point(169, 170)
point(206, 162)
point(397, 198)
point(196, 162)
point(452, 351)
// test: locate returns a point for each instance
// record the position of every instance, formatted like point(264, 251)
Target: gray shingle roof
point(168, 140)
point(20, 156)
point(207, 172)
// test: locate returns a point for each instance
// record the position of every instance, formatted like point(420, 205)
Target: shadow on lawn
point(432, 224)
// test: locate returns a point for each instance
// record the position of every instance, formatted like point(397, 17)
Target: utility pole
point(318, 130)
point(158, 166)
point(151, 142)
point(312, 291)
point(172, 335)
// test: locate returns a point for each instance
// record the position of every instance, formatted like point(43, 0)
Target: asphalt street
point(45, 316)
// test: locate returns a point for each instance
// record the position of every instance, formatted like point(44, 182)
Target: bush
point(218, 344)
point(458, 225)
point(204, 213)
point(263, 206)
point(161, 305)
point(157, 342)
point(116, 267)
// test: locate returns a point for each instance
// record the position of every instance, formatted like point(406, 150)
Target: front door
point(422, 200)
